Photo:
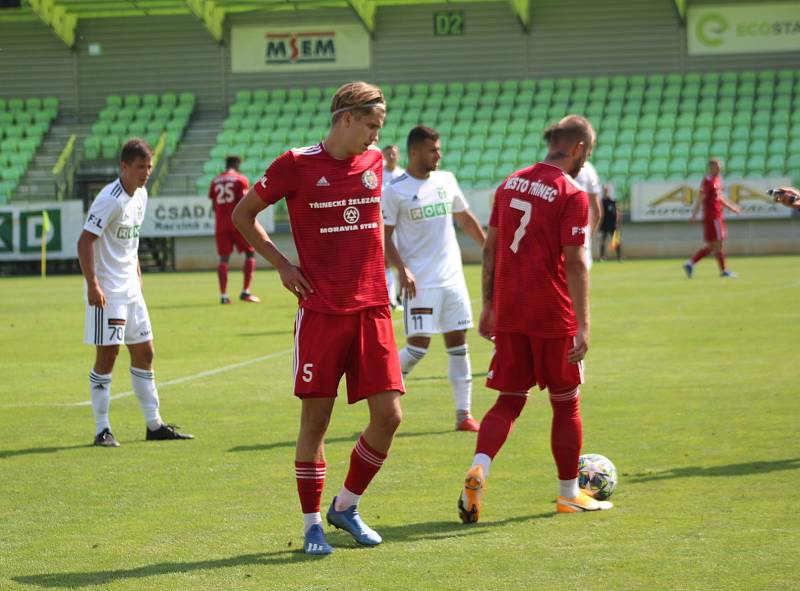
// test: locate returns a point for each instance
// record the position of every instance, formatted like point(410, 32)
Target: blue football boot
point(315, 542)
point(350, 521)
point(688, 268)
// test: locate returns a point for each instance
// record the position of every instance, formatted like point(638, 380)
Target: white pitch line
point(181, 380)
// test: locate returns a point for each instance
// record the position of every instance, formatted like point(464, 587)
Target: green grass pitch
point(692, 390)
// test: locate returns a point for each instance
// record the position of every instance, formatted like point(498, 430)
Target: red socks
point(310, 482)
point(364, 465)
point(222, 275)
point(566, 433)
point(721, 260)
point(703, 252)
point(496, 425)
point(249, 270)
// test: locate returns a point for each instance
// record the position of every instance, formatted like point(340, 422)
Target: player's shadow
point(106, 577)
point(742, 469)
point(436, 530)
point(393, 534)
point(345, 439)
point(10, 453)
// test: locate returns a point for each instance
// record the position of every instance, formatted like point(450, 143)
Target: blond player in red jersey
point(226, 190)
point(343, 324)
point(715, 232)
point(536, 310)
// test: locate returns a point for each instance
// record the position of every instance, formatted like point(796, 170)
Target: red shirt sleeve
point(279, 180)
point(575, 220)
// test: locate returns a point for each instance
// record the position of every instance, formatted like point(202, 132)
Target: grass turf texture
point(692, 392)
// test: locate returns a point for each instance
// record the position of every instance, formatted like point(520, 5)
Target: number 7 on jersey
point(527, 210)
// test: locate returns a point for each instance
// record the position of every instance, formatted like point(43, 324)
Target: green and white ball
point(597, 476)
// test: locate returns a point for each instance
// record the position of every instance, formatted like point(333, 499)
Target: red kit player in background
point(226, 190)
point(536, 310)
point(343, 324)
point(714, 231)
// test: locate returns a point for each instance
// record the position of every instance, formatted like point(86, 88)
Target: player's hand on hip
point(96, 296)
point(486, 323)
point(408, 282)
point(293, 279)
point(578, 352)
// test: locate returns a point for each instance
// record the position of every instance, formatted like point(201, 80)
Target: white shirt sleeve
point(593, 181)
point(390, 204)
point(459, 201)
point(102, 213)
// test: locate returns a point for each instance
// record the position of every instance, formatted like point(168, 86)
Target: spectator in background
point(611, 223)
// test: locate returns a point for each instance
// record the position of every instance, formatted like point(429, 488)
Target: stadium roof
point(63, 16)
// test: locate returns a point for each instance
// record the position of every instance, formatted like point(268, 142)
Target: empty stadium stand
point(23, 125)
point(146, 116)
point(659, 126)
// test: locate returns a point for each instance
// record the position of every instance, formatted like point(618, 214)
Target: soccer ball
point(597, 476)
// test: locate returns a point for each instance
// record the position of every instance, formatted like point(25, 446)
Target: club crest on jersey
point(351, 215)
point(369, 179)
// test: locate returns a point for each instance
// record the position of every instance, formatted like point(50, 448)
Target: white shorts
point(117, 324)
point(437, 310)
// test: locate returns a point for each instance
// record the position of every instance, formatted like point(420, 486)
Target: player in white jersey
point(418, 210)
point(115, 309)
point(589, 180)
point(391, 170)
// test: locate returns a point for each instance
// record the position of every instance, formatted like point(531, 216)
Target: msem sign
point(268, 49)
point(302, 48)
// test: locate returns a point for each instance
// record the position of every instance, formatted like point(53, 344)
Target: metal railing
point(160, 165)
point(64, 170)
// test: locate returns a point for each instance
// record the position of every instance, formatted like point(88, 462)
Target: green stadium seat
point(169, 99)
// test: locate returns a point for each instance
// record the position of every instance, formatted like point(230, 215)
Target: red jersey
point(537, 211)
point(335, 213)
point(711, 188)
point(226, 190)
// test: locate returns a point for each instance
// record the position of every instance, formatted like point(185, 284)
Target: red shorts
point(360, 346)
point(714, 229)
point(228, 238)
point(521, 361)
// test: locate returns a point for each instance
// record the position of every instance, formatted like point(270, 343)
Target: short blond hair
point(357, 97)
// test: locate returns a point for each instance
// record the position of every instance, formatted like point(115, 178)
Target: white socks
point(144, 386)
point(346, 499)
point(484, 461)
point(410, 356)
point(568, 488)
point(459, 372)
point(310, 519)
point(100, 393)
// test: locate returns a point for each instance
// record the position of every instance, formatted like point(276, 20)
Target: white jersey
point(115, 218)
point(588, 179)
point(390, 175)
point(421, 211)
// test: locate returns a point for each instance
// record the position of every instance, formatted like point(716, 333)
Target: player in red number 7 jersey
point(343, 324)
point(536, 310)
